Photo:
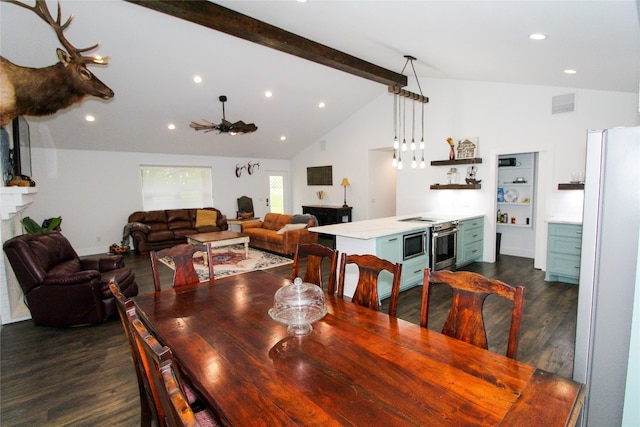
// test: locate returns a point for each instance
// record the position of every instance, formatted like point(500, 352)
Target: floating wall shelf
point(473, 161)
point(571, 186)
point(455, 187)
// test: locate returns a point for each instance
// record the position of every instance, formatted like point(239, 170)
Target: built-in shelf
point(571, 186)
point(475, 160)
point(455, 187)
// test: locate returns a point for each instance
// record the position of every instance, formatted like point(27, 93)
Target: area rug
point(230, 260)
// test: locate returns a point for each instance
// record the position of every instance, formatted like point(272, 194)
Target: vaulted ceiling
point(154, 58)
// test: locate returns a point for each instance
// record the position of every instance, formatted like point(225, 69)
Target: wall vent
point(563, 103)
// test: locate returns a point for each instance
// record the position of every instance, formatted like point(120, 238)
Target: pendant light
point(400, 119)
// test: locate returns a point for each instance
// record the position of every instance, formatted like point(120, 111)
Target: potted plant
point(50, 224)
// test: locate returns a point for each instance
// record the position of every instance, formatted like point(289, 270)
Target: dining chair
point(182, 257)
point(316, 253)
point(465, 321)
point(147, 405)
point(173, 398)
point(369, 268)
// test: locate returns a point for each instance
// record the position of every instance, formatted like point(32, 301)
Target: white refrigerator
point(608, 269)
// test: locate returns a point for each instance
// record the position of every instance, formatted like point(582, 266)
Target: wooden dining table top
point(358, 366)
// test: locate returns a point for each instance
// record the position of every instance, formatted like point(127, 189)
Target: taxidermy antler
point(43, 91)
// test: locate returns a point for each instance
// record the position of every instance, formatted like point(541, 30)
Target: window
point(175, 187)
point(276, 193)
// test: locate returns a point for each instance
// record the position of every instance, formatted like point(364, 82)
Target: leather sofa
point(60, 289)
point(280, 232)
point(153, 230)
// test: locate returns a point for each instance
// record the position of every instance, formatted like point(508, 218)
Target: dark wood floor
point(85, 377)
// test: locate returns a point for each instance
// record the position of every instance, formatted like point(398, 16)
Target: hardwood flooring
point(85, 377)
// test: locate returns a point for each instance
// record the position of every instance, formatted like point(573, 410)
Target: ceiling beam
point(220, 18)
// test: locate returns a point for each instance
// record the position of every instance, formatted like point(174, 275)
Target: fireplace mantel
point(15, 200)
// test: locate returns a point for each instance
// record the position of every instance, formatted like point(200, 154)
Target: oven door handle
point(444, 233)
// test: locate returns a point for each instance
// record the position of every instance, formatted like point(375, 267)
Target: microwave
point(414, 244)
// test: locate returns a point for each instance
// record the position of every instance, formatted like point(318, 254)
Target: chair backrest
point(245, 205)
point(147, 403)
point(32, 255)
point(170, 400)
point(182, 257)
point(465, 321)
point(369, 267)
point(316, 253)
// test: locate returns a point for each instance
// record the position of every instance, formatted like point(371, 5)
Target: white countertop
point(374, 228)
point(564, 220)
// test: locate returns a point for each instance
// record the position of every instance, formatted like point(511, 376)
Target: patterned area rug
point(230, 260)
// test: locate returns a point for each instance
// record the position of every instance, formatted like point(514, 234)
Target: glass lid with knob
point(298, 305)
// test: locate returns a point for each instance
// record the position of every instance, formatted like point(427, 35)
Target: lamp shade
point(345, 182)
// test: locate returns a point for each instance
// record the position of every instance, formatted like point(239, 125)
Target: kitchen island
point(385, 238)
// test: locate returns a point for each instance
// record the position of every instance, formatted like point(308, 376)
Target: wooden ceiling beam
point(220, 18)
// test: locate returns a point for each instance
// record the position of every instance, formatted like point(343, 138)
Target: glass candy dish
point(298, 305)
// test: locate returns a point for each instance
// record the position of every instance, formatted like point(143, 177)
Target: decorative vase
point(452, 153)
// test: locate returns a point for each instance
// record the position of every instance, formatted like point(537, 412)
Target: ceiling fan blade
point(242, 127)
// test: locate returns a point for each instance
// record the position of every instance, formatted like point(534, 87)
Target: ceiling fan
point(225, 126)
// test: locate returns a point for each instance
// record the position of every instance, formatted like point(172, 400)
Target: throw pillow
point(289, 227)
point(206, 218)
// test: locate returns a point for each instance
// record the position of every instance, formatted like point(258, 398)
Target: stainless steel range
point(444, 241)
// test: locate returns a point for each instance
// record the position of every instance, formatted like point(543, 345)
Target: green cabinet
point(470, 241)
point(564, 242)
point(391, 248)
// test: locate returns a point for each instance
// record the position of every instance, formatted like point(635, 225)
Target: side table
point(236, 224)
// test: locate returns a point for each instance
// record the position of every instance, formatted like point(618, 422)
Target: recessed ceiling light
point(268, 94)
point(197, 79)
point(283, 138)
point(89, 118)
point(321, 105)
point(570, 71)
point(537, 36)
point(171, 126)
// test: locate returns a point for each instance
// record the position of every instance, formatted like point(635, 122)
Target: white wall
point(96, 191)
point(506, 117)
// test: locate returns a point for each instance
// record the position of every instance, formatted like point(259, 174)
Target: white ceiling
point(154, 58)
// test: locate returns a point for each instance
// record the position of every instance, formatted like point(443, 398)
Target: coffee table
point(219, 239)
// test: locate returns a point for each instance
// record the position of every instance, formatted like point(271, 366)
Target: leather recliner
point(60, 289)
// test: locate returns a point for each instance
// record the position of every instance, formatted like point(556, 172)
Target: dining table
point(357, 367)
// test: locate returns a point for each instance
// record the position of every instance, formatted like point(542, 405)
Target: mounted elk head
point(43, 91)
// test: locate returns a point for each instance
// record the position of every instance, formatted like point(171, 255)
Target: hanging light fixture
point(400, 118)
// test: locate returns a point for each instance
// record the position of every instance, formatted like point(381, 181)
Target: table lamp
point(345, 184)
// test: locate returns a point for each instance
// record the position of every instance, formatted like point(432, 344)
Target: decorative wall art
point(47, 95)
point(467, 148)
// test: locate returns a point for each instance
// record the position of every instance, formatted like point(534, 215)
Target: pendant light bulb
point(422, 144)
point(396, 144)
point(394, 161)
point(414, 163)
point(404, 145)
point(413, 144)
point(422, 164)
point(400, 165)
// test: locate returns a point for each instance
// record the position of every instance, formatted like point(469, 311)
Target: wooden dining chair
point(171, 394)
point(370, 267)
point(316, 254)
point(182, 257)
point(147, 405)
point(465, 321)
